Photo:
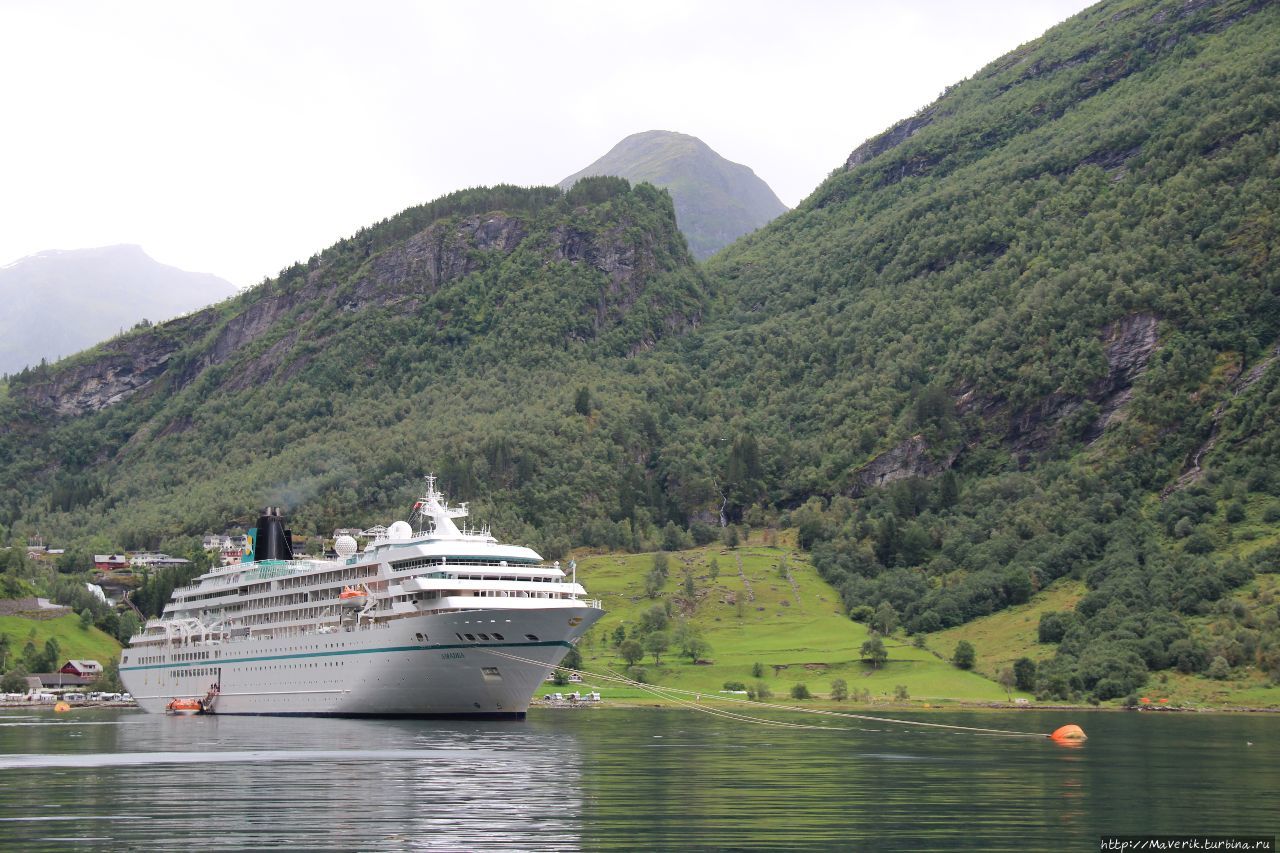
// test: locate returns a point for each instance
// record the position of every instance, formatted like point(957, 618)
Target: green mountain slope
point(1041, 317)
point(442, 339)
point(716, 201)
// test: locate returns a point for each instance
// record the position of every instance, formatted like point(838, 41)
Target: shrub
point(965, 655)
point(1198, 543)
point(839, 690)
point(800, 691)
point(1054, 625)
point(1024, 674)
point(734, 685)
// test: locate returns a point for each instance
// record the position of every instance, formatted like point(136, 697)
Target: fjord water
point(626, 780)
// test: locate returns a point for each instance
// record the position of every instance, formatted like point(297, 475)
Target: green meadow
point(74, 641)
point(751, 613)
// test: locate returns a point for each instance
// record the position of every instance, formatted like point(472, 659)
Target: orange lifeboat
point(184, 707)
point(352, 598)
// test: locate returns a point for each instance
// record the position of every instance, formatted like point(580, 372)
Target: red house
point(110, 562)
point(82, 668)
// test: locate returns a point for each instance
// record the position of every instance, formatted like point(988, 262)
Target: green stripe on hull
point(341, 652)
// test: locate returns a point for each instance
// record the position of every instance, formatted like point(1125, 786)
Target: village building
point(152, 560)
point(82, 668)
point(215, 542)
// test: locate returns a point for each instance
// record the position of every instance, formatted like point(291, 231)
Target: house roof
point(84, 664)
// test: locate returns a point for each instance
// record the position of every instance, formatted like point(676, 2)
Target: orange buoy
point(62, 707)
point(1070, 733)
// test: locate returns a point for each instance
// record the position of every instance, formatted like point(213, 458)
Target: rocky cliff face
point(909, 458)
point(890, 139)
point(123, 368)
point(404, 275)
point(1128, 345)
point(440, 254)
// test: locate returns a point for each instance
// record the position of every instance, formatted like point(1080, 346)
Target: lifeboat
point(183, 707)
point(352, 598)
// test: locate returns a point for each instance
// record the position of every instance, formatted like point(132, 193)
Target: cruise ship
point(444, 621)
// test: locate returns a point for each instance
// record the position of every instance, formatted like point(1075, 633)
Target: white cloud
point(238, 137)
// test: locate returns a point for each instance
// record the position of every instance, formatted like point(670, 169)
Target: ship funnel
point(272, 541)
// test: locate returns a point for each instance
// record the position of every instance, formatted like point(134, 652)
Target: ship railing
point(593, 602)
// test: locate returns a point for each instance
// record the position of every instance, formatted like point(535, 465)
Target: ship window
point(532, 637)
point(471, 638)
point(484, 636)
point(498, 637)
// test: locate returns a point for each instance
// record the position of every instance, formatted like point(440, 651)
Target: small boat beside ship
point(437, 621)
point(184, 707)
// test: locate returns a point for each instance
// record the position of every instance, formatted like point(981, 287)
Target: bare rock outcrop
point(442, 253)
point(1127, 343)
point(909, 458)
point(891, 138)
point(406, 271)
point(127, 366)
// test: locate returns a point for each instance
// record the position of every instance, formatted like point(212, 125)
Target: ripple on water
point(619, 780)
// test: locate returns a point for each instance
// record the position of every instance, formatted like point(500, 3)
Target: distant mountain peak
point(60, 301)
point(716, 200)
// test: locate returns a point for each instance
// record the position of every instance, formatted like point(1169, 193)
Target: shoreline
point(75, 706)
point(896, 707)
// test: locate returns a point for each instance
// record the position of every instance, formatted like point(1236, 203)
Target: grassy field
point(751, 613)
point(1003, 637)
point(75, 641)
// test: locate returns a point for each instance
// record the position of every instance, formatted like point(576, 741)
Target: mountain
point(60, 302)
point(716, 201)
point(454, 337)
point(1031, 334)
point(1026, 338)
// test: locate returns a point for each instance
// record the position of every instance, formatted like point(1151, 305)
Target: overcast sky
point(238, 137)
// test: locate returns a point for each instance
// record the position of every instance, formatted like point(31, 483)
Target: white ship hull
point(415, 666)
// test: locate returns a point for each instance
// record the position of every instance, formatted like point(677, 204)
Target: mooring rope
point(668, 693)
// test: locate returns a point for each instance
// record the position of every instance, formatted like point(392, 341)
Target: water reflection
point(611, 779)
point(236, 783)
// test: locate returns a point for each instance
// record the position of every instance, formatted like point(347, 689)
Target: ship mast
point(435, 507)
